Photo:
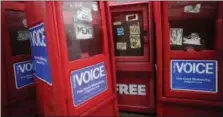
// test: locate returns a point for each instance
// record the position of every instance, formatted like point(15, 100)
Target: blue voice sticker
point(88, 82)
point(194, 75)
point(41, 65)
point(23, 74)
point(120, 31)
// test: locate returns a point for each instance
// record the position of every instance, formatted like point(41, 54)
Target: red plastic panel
point(15, 48)
point(135, 91)
point(22, 108)
point(57, 99)
point(81, 63)
point(176, 110)
point(3, 85)
point(103, 109)
point(122, 3)
point(12, 10)
point(49, 97)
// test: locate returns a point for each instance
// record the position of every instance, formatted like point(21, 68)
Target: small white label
point(132, 17)
point(121, 46)
point(135, 41)
point(117, 23)
point(84, 14)
point(75, 5)
point(131, 89)
point(192, 9)
point(176, 35)
point(83, 31)
point(95, 7)
point(22, 35)
point(134, 29)
point(193, 39)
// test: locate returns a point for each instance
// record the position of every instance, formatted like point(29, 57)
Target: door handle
point(145, 33)
point(145, 37)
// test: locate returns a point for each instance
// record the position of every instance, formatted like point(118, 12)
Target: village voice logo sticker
point(23, 73)
point(194, 75)
point(41, 65)
point(88, 82)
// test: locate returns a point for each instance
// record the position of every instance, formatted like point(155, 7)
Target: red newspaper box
point(18, 88)
point(131, 44)
point(189, 35)
point(71, 59)
point(3, 86)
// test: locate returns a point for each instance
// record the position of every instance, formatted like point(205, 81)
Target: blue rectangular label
point(194, 75)
point(23, 73)
point(88, 82)
point(41, 65)
point(120, 31)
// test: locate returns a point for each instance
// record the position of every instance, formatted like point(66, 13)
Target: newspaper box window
point(84, 40)
point(191, 59)
point(128, 33)
point(83, 29)
point(18, 32)
point(192, 25)
point(19, 41)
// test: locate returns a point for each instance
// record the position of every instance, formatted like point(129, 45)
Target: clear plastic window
point(83, 30)
point(128, 33)
point(192, 25)
point(18, 32)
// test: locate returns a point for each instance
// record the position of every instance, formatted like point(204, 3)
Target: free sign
point(131, 89)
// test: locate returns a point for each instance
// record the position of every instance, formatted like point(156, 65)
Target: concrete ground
point(130, 114)
point(122, 114)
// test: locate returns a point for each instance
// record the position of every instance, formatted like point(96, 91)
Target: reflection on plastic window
point(192, 9)
point(83, 29)
point(83, 14)
point(18, 32)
